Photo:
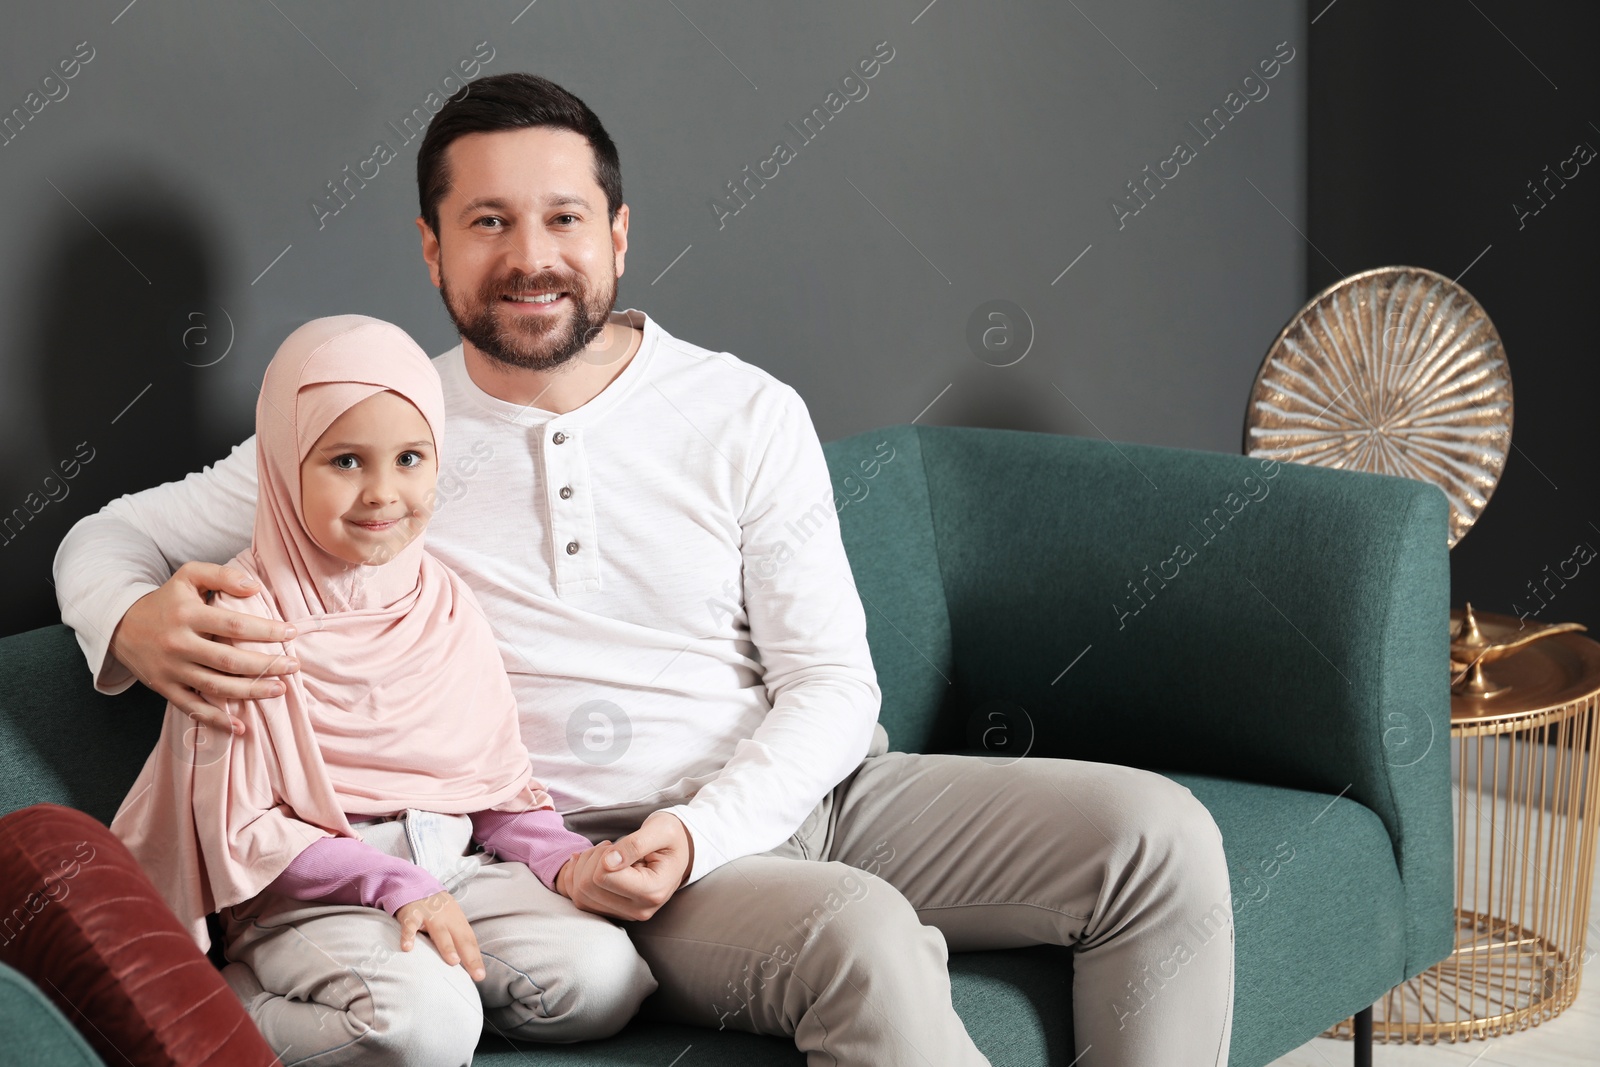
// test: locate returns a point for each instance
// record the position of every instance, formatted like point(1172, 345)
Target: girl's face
point(366, 486)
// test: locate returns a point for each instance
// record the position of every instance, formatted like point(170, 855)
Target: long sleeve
point(537, 838)
point(807, 623)
point(344, 870)
point(110, 559)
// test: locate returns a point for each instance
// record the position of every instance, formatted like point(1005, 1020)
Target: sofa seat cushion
point(1012, 1003)
point(1315, 893)
point(1318, 910)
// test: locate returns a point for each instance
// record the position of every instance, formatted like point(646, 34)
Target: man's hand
point(166, 640)
point(441, 918)
point(633, 878)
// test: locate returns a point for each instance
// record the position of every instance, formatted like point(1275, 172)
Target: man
point(616, 497)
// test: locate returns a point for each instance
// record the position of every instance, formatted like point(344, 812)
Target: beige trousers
point(837, 939)
point(329, 984)
point(840, 936)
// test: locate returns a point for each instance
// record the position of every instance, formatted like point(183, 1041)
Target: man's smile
point(528, 303)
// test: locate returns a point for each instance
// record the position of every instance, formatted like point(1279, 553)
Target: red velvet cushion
point(82, 921)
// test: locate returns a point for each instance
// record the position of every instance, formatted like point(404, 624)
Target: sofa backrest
point(881, 492)
point(1036, 581)
point(60, 740)
point(1012, 584)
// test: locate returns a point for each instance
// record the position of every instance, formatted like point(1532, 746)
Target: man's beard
point(523, 341)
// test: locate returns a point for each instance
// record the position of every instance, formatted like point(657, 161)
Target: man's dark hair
point(511, 102)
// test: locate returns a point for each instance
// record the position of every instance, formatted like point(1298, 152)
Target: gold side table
point(1527, 799)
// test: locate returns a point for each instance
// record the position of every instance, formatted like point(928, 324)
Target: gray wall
point(184, 157)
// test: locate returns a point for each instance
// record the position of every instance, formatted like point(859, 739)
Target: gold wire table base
point(1508, 979)
point(1527, 804)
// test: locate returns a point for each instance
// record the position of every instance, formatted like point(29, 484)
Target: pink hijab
point(401, 700)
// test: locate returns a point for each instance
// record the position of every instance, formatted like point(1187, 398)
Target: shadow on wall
point(1002, 399)
point(122, 327)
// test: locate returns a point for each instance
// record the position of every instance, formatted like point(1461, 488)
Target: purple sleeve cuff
point(537, 838)
point(343, 870)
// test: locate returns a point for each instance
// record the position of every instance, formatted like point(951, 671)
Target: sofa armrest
point(35, 1032)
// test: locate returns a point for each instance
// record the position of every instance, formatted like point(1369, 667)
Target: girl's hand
point(442, 919)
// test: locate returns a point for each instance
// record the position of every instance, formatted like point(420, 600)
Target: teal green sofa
point(1025, 597)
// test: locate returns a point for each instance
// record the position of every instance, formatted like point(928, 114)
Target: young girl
point(342, 819)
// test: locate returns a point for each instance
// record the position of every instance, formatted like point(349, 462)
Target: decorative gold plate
point(1397, 371)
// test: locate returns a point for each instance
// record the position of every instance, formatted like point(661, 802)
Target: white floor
point(1571, 1039)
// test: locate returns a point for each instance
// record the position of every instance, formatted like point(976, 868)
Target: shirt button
point(572, 548)
point(566, 492)
point(559, 437)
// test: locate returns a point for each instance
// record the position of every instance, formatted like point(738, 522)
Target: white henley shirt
point(662, 568)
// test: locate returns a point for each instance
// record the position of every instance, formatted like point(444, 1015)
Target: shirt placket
point(575, 549)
